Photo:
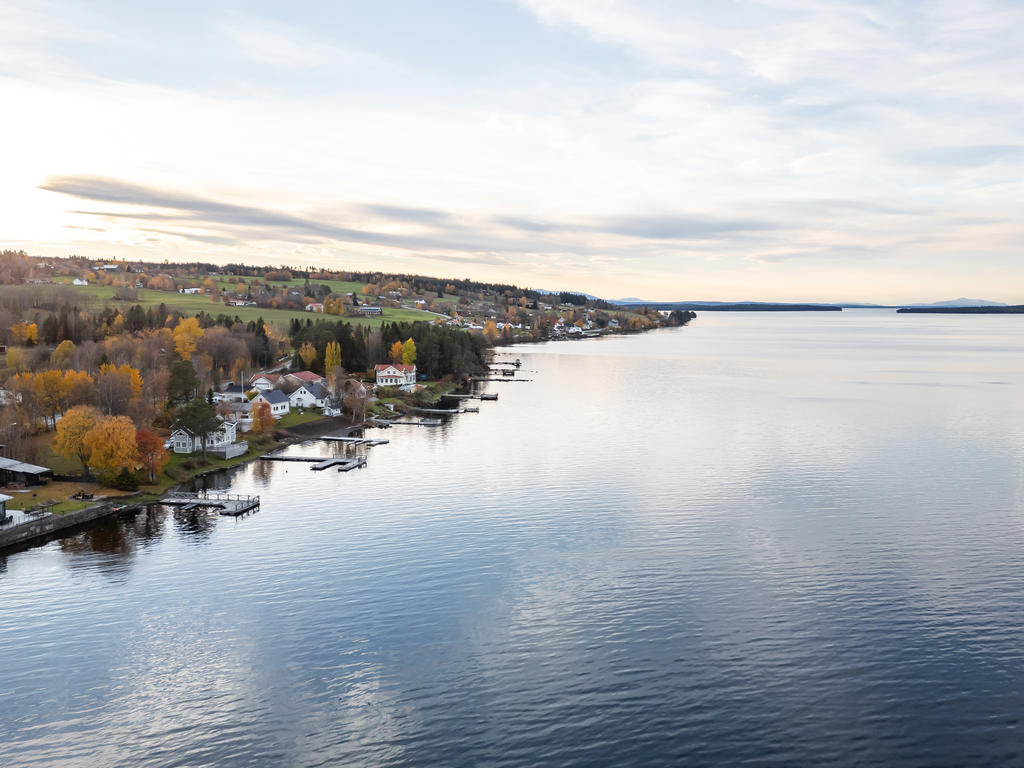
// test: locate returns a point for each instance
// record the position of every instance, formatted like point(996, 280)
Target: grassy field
point(96, 296)
point(294, 418)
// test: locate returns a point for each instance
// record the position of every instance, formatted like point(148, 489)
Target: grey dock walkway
point(368, 441)
point(343, 463)
point(226, 503)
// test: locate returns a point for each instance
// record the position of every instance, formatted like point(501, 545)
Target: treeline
point(441, 351)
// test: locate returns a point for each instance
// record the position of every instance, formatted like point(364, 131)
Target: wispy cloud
point(782, 148)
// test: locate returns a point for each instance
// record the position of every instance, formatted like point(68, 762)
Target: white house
point(222, 438)
point(395, 375)
point(308, 396)
point(277, 400)
point(190, 290)
point(315, 306)
point(264, 381)
point(79, 281)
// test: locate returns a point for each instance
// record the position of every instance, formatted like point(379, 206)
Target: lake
point(764, 539)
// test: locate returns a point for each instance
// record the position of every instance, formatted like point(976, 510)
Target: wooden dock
point(226, 503)
point(420, 423)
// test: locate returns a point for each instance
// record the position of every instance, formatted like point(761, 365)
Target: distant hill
point(961, 302)
point(723, 306)
point(989, 309)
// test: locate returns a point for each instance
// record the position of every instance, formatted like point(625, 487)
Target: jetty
point(503, 378)
point(343, 463)
point(231, 504)
point(419, 423)
point(367, 441)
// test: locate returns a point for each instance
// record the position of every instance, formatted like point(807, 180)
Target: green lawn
point(294, 418)
point(96, 296)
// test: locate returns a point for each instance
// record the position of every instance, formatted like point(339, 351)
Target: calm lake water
point(764, 539)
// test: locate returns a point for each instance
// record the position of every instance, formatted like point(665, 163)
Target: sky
point(788, 150)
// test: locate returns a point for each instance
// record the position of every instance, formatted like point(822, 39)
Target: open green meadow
point(97, 296)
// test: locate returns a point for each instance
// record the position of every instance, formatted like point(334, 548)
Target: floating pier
point(368, 441)
point(343, 463)
point(420, 423)
point(226, 503)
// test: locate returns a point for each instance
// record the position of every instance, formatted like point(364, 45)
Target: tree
point(186, 337)
point(396, 352)
point(17, 360)
point(61, 356)
point(182, 383)
point(332, 358)
point(409, 352)
point(112, 448)
point(71, 432)
point(262, 418)
point(355, 399)
point(117, 387)
point(50, 391)
point(308, 353)
point(199, 418)
point(152, 454)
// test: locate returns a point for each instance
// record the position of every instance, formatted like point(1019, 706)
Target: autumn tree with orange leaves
point(152, 454)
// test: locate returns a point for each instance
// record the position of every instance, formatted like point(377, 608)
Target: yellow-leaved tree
point(332, 357)
point(396, 352)
point(186, 337)
point(112, 447)
point(71, 432)
point(409, 352)
point(308, 353)
point(61, 356)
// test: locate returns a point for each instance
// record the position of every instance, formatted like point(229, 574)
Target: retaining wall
point(48, 524)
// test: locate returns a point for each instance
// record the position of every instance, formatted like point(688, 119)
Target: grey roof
point(13, 465)
point(233, 388)
point(274, 396)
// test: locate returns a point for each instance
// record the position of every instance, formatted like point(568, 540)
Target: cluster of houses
point(281, 392)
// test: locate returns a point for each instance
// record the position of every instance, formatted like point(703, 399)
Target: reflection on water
point(771, 539)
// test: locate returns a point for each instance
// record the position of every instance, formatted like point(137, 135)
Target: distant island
point(744, 306)
point(1013, 309)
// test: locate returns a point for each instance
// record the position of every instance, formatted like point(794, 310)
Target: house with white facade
point(79, 281)
point(221, 441)
point(264, 381)
point(277, 400)
point(309, 396)
point(315, 306)
point(395, 375)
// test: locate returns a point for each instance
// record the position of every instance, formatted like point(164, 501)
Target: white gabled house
point(264, 381)
point(308, 396)
point(395, 375)
point(222, 438)
point(277, 400)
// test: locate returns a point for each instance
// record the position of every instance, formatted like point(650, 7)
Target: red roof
point(306, 376)
point(271, 377)
point(397, 366)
